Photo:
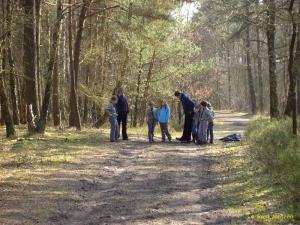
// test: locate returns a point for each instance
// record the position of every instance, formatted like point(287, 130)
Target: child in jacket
point(204, 117)
point(111, 110)
point(163, 117)
point(151, 121)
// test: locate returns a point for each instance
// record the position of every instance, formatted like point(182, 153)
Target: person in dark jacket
point(122, 110)
point(188, 108)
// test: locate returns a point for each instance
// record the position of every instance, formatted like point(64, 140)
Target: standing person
point(111, 110)
point(188, 108)
point(195, 123)
point(210, 129)
point(122, 110)
point(163, 117)
point(151, 121)
point(204, 118)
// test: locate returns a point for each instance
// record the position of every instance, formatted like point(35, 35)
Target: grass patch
point(29, 165)
point(261, 176)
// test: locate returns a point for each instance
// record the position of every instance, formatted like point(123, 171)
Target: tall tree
point(271, 32)
point(259, 62)
point(41, 125)
point(296, 74)
point(292, 81)
point(74, 117)
point(29, 63)
point(55, 94)
point(12, 79)
point(249, 64)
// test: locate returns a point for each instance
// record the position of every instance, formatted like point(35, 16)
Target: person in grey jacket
point(112, 112)
point(151, 121)
point(204, 118)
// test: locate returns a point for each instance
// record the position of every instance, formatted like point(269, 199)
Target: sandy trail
point(135, 183)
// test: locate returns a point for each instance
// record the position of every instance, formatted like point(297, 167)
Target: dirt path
point(134, 183)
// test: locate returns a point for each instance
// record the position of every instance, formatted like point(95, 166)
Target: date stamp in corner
point(273, 217)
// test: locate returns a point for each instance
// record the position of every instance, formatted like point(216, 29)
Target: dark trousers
point(187, 129)
point(122, 119)
point(165, 131)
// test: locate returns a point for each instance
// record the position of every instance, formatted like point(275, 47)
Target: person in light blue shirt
point(163, 116)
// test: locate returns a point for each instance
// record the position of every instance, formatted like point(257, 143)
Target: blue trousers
point(114, 129)
point(151, 128)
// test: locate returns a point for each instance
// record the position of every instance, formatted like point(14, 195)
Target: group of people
point(198, 122)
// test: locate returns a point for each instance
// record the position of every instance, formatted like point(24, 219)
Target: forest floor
point(68, 177)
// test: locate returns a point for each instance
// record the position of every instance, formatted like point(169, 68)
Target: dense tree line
point(61, 60)
point(255, 47)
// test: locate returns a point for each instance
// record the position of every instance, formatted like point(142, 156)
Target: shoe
point(170, 140)
point(179, 139)
point(163, 141)
point(125, 139)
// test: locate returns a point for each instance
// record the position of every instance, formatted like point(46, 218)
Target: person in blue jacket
point(163, 115)
point(188, 108)
point(122, 110)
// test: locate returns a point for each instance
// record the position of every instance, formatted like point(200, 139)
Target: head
point(177, 94)
point(198, 106)
point(120, 91)
point(208, 105)
point(163, 102)
point(151, 104)
point(114, 99)
point(203, 104)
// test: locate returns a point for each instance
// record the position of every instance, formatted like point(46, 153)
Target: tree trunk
point(29, 62)
point(229, 76)
point(146, 91)
point(259, 67)
point(271, 30)
point(137, 94)
point(74, 118)
point(21, 101)
point(37, 50)
point(292, 82)
point(12, 79)
point(296, 74)
point(55, 94)
point(126, 53)
point(4, 103)
point(52, 58)
point(85, 104)
point(249, 65)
